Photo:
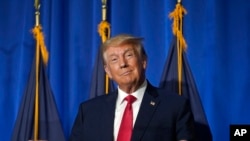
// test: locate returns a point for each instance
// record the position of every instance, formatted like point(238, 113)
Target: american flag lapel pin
point(152, 103)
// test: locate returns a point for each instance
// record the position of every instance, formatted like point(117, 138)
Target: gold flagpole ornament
point(37, 13)
point(104, 10)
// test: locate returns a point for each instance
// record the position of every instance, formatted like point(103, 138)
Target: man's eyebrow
point(127, 50)
point(113, 54)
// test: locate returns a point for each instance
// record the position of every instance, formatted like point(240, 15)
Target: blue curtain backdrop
point(217, 33)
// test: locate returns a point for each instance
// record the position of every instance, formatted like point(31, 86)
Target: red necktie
point(126, 126)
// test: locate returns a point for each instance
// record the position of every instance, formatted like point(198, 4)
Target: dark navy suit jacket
point(162, 117)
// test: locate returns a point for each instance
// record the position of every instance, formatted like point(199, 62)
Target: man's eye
point(113, 59)
point(129, 54)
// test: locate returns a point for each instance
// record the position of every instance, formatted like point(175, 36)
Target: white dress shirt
point(121, 104)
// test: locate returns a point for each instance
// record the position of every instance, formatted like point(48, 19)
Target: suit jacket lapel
point(108, 116)
point(149, 104)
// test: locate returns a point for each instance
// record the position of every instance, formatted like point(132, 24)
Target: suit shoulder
point(95, 100)
point(98, 101)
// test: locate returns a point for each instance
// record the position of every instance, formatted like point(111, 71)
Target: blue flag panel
point(49, 123)
point(169, 81)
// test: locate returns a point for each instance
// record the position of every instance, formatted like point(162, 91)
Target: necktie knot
point(130, 99)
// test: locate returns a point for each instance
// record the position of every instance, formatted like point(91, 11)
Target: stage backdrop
point(217, 33)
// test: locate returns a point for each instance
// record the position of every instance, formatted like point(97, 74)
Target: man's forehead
point(122, 48)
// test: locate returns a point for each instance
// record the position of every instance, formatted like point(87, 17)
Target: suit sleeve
point(185, 123)
point(77, 129)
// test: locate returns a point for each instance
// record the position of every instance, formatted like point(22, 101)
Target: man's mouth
point(125, 73)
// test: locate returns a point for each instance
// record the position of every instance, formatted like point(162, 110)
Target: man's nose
point(123, 62)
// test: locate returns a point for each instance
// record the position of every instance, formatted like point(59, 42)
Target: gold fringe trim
point(38, 35)
point(104, 32)
point(177, 16)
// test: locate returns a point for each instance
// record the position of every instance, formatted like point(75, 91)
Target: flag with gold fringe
point(177, 76)
point(101, 84)
point(38, 118)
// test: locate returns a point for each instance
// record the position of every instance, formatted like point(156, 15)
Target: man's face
point(124, 65)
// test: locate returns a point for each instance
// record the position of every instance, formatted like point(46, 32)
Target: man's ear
point(144, 64)
point(106, 68)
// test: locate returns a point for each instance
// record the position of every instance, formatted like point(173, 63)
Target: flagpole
point(179, 50)
point(37, 13)
point(104, 10)
point(104, 32)
point(36, 113)
point(40, 50)
point(177, 16)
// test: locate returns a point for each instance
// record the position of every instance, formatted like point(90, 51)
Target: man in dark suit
point(156, 115)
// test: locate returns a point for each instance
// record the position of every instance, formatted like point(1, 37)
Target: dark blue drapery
point(217, 33)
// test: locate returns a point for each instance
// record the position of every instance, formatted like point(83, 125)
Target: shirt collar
point(138, 93)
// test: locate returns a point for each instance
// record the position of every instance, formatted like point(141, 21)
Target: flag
point(50, 128)
point(177, 76)
point(38, 118)
point(169, 81)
